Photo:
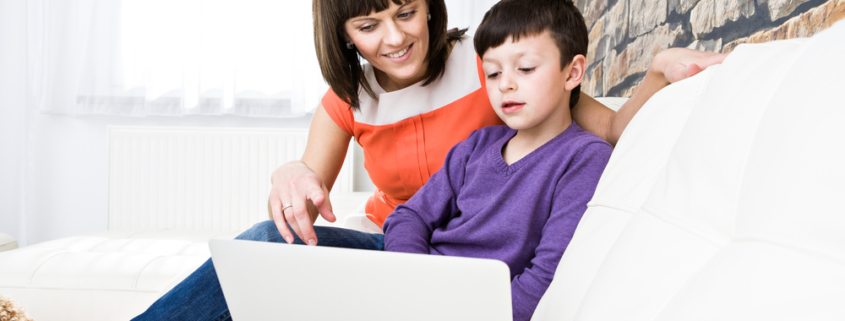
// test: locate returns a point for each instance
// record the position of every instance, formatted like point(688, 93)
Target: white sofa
point(723, 198)
point(721, 201)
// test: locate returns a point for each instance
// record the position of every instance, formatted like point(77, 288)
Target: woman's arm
point(306, 184)
point(669, 66)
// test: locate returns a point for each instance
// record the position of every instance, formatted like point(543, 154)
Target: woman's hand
point(676, 64)
point(669, 66)
point(305, 184)
point(294, 187)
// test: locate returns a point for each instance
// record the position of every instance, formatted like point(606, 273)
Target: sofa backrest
point(721, 200)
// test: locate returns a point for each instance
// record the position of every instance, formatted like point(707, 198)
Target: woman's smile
point(401, 55)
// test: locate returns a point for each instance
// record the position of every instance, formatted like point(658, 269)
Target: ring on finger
point(286, 206)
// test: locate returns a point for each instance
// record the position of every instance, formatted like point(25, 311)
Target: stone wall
point(626, 34)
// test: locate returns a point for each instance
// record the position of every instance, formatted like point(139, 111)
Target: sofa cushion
point(7, 242)
point(742, 219)
point(119, 272)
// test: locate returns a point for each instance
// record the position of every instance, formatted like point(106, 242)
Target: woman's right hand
point(297, 192)
point(676, 64)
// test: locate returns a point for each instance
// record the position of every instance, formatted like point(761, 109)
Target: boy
point(514, 193)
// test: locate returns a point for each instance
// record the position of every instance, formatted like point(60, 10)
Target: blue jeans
point(199, 296)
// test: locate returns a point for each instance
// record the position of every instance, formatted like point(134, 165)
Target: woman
point(422, 92)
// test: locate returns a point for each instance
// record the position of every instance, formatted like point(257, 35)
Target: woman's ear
point(347, 41)
point(576, 69)
point(346, 38)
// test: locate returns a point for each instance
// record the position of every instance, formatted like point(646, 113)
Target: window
point(168, 57)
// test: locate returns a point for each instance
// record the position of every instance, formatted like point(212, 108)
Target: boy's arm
point(669, 66)
point(572, 192)
point(409, 228)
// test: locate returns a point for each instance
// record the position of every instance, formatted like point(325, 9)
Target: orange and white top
point(407, 133)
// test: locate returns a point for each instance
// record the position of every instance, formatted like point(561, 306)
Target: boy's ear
point(576, 69)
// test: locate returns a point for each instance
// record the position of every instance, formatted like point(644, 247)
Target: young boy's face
point(525, 82)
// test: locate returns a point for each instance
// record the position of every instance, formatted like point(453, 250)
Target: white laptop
point(271, 281)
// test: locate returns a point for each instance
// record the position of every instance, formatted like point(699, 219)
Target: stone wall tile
point(826, 15)
point(645, 15)
point(608, 32)
point(597, 47)
point(581, 4)
point(702, 17)
point(804, 25)
point(637, 56)
point(729, 47)
point(615, 67)
point(628, 92)
point(591, 84)
point(781, 8)
point(707, 45)
point(592, 10)
point(711, 14)
point(681, 6)
point(616, 23)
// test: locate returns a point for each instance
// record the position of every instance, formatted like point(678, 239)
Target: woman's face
point(394, 41)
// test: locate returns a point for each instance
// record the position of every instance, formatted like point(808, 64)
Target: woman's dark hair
point(522, 18)
point(341, 67)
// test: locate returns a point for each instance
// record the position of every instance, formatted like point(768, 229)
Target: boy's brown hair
point(520, 18)
point(341, 67)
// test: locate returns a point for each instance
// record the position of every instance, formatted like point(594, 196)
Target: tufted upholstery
point(722, 200)
point(106, 276)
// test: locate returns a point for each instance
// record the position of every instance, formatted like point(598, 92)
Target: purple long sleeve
point(524, 214)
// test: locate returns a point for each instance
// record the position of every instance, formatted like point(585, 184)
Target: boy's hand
point(676, 64)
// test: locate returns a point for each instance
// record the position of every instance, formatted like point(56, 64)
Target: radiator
point(198, 178)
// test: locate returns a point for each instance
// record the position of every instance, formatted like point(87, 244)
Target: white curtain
point(173, 57)
point(181, 57)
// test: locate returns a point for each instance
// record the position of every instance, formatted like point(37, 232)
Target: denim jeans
point(199, 296)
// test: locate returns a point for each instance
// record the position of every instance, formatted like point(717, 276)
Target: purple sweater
point(523, 214)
